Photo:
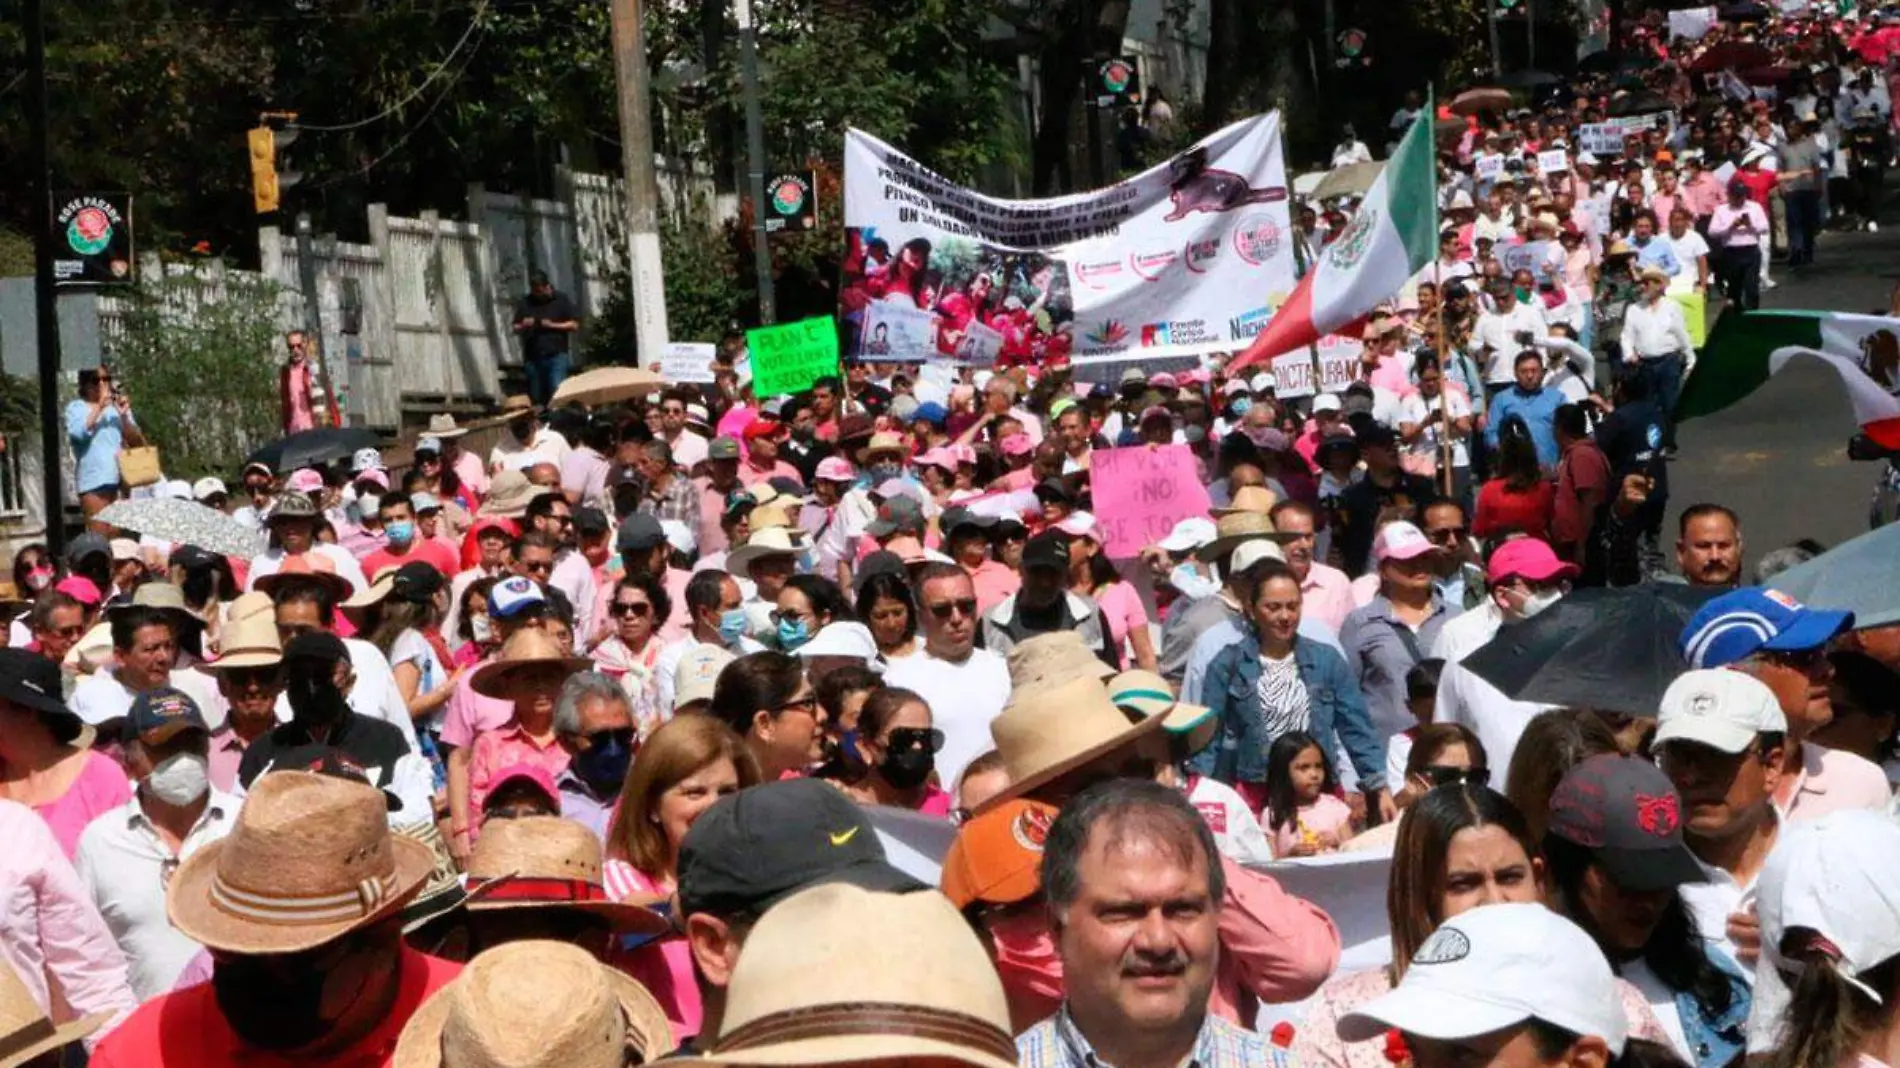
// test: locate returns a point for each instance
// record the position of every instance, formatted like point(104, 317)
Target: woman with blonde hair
point(682, 768)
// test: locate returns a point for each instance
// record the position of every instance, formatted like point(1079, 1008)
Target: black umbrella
point(311, 447)
point(1613, 650)
point(1637, 104)
point(1528, 79)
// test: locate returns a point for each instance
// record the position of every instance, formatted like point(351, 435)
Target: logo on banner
point(1091, 274)
point(1110, 332)
point(90, 231)
point(1257, 239)
point(1175, 332)
point(1149, 265)
point(1351, 247)
point(1248, 324)
point(1214, 192)
point(1201, 254)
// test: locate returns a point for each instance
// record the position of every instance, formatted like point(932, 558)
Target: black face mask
point(907, 770)
point(314, 697)
point(287, 1003)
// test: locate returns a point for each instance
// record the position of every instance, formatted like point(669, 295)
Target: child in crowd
point(1304, 813)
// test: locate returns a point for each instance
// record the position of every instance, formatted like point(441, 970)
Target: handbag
point(138, 466)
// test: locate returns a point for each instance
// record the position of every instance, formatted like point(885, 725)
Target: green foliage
point(704, 296)
point(195, 358)
point(19, 406)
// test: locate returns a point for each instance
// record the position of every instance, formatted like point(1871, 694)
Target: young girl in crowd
point(1304, 813)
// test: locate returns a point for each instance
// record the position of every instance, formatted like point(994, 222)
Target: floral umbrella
point(185, 523)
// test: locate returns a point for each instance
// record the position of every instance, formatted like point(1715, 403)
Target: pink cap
point(836, 469)
point(1196, 377)
point(304, 481)
point(1017, 445)
point(1401, 541)
point(1164, 380)
point(1530, 559)
point(375, 477)
point(939, 458)
point(81, 589)
point(1080, 525)
point(530, 773)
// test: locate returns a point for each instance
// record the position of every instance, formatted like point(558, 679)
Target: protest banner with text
point(1141, 492)
point(1338, 357)
point(788, 358)
point(687, 362)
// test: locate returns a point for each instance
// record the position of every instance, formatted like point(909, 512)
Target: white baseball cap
point(1401, 540)
point(1494, 967)
point(698, 674)
point(1189, 535)
point(1262, 382)
point(1325, 402)
point(680, 536)
point(208, 487)
point(1721, 709)
point(1839, 877)
point(1252, 552)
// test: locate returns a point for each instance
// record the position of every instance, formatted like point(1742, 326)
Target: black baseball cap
point(959, 516)
point(415, 582)
point(317, 645)
point(763, 844)
point(85, 545)
point(1625, 811)
point(590, 522)
point(159, 714)
point(31, 681)
point(639, 533)
point(1048, 549)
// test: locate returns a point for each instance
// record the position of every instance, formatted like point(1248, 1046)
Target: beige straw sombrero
point(549, 862)
point(1052, 730)
point(25, 1029)
point(526, 650)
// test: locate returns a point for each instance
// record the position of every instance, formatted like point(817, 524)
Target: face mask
point(315, 699)
point(1537, 602)
point(400, 533)
point(604, 766)
point(732, 625)
point(1026, 959)
point(1242, 405)
point(907, 770)
point(1188, 580)
point(1523, 294)
point(792, 633)
point(884, 469)
point(180, 779)
point(273, 1006)
point(39, 578)
point(481, 629)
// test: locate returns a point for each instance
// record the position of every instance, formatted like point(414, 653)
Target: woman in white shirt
point(403, 622)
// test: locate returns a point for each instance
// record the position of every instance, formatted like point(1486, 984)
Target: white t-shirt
point(1662, 1002)
point(100, 696)
point(1497, 720)
point(412, 648)
point(1499, 333)
point(1416, 407)
point(1237, 832)
point(964, 698)
point(1687, 248)
point(509, 454)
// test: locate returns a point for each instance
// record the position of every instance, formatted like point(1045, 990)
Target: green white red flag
point(1392, 236)
point(1744, 351)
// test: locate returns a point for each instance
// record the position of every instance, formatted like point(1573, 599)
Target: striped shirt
point(1058, 1043)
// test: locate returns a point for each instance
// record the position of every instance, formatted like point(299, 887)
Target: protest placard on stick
point(1141, 492)
point(790, 357)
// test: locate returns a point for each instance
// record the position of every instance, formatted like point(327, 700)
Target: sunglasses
point(622, 609)
point(1447, 534)
point(1446, 775)
point(1805, 660)
point(905, 739)
point(546, 568)
point(243, 678)
point(807, 704)
point(624, 736)
point(943, 609)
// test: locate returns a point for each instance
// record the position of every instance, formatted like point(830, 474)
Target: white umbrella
point(605, 385)
point(185, 523)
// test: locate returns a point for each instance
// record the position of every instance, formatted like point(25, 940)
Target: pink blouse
point(100, 787)
point(663, 966)
point(1327, 815)
point(1125, 612)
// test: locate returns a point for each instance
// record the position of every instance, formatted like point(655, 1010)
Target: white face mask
point(180, 779)
point(1537, 602)
point(480, 628)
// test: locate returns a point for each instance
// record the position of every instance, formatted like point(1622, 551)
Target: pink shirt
point(712, 504)
point(1830, 781)
point(1327, 595)
point(1327, 815)
point(752, 476)
point(100, 787)
point(471, 714)
point(1125, 612)
point(471, 473)
point(504, 748)
point(664, 966)
point(298, 416)
point(50, 932)
point(994, 582)
point(584, 474)
point(227, 751)
point(1275, 947)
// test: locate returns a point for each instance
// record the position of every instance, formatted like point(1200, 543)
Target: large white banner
point(1189, 257)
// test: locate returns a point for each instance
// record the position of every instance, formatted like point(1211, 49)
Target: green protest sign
point(788, 358)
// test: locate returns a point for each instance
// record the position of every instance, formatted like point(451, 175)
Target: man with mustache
point(1133, 886)
point(1709, 546)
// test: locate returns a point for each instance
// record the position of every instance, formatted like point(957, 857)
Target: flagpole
point(1445, 444)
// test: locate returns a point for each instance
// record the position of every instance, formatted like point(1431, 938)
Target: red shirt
point(427, 550)
point(1501, 510)
point(1583, 472)
point(1760, 184)
point(186, 1029)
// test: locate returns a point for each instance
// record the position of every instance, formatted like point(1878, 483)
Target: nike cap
point(767, 842)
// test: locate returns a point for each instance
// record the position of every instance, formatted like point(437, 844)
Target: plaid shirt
point(679, 503)
point(1057, 1043)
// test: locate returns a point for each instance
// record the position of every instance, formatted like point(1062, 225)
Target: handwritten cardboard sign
point(686, 361)
point(1553, 161)
point(1141, 492)
point(788, 358)
point(1490, 168)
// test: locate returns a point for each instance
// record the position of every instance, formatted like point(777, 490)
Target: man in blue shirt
point(98, 425)
point(1651, 252)
point(1530, 401)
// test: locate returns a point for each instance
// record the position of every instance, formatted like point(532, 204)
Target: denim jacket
point(1716, 1040)
point(1337, 714)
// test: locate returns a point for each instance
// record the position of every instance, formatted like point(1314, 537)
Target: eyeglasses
point(544, 567)
point(943, 609)
point(1447, 534)
point(245, 678)
point(74, 631)
point(807, 704)
point(601, 739)
point(905, 739)
point(622, 609)
point(672, 409)
point(1447, 774)
point(1807, 661)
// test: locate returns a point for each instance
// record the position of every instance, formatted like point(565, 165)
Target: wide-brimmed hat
point(777, 540)
point(535, 1004)
point(164, 597)
point(1050, 659)
point(552, 863)
point(805, 992)
point(1145, 694)
point(336, 585)
point(1258, 499)
point(1049, 731)
point(526, 650)
point(442, 426)
point(25, 1029)
point(293, 505)
point(413, 581)
point(1235, 528)
point(309, 860)
point(886, 442)
point(509, 495)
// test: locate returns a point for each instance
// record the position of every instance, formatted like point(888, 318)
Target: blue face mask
point(792, 633)
point(732, 625)
point(400, 533)
point(1241, 405)
point(1193, 585)
point(603, 767)
point(884, 470)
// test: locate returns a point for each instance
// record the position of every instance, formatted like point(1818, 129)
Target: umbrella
point(1732, 55)
point(186, 523)
point(1744, 11)
point(1767, 75)
point(312, 447)
point(1472, 101)
point(1529, 79)
point(1351, 180)
point(1449, 129)
point(605, 385)
point(1613, 650)
point(1637, 104)
point(1612, 62)
point(1857, 576)
point(1303, 185)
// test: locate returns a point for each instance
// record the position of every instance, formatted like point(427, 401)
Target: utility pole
point(1491, 24)
point(313, 313)
point(1091, 66)
point(644, 266)
point(1530, 35)
point(45, 297)
point(755, 159)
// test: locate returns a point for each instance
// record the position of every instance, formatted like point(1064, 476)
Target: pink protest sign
point(1141, 492)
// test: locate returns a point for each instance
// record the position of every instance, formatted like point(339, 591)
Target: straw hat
point(1258, 499)
point(1235, 528)
point(336, 585)
point(534, 1004)
point(25, 1029)
point(1145, 694)
point(254, 603)
point(509, 495)
point(776, 514)
point(442, 426)
point(805, 992)
point(548, 862)
point(771, 541)
point(248, 642)
point(525, 650)
point(1049, 731)
point(292, 505)
point(887, 442)
point(310, 859)
point(1055, 657)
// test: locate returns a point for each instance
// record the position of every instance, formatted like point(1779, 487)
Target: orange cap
point(997, 856)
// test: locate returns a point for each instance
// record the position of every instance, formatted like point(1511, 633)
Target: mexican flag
point(1392, 236)
point(1746, 350)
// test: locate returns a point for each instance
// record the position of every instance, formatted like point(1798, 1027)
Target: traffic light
point(270, 173)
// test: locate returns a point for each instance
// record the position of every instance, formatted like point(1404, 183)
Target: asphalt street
point(1779, 458)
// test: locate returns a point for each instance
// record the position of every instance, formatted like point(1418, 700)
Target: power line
point(474, 21)
point(407, 134)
